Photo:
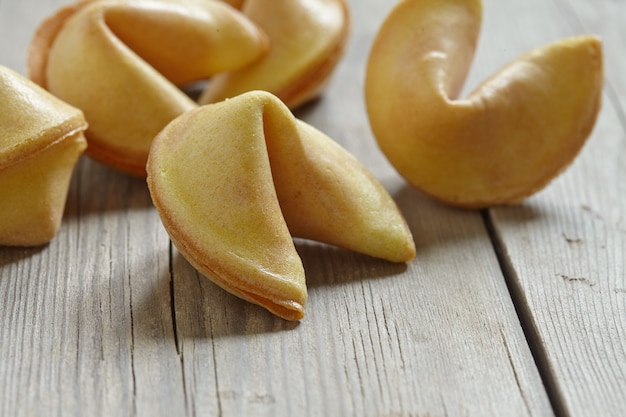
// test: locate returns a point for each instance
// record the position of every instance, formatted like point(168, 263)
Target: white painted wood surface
point(109, 320)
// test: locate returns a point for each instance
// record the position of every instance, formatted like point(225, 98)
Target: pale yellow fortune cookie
point(41, 139)
point(121, 62)
point(307, 38)
point(235, 180)
point(509, 138)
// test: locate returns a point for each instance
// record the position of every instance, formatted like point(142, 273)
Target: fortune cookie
point(41, 139)
point(122, 63)
point(509, 138)
point(307, 38)
point(235, 181)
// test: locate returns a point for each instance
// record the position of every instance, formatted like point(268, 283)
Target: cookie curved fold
point(121, 62)
point(233, 181)
point(509, 138)
point(41, 139)
point(306, 41)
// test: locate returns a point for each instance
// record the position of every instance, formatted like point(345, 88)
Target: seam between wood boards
point(170, 260)
point(173, 299)
point(512, 280)
point(218, 396)
point(525, 317)
point(132, 351)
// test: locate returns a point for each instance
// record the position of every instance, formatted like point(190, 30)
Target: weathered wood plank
point(377, 339)
point(86, 324)
point(564, 248)
point(440, 337)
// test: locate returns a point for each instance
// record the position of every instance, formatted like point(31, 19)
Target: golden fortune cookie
point(234, 182)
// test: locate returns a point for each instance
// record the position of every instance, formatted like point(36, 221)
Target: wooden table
point(511, 311)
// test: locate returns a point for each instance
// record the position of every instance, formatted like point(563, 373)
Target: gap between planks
point(524, 315)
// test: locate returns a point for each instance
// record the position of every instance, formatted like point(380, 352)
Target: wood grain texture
point(109, 319)
point(564, 248)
